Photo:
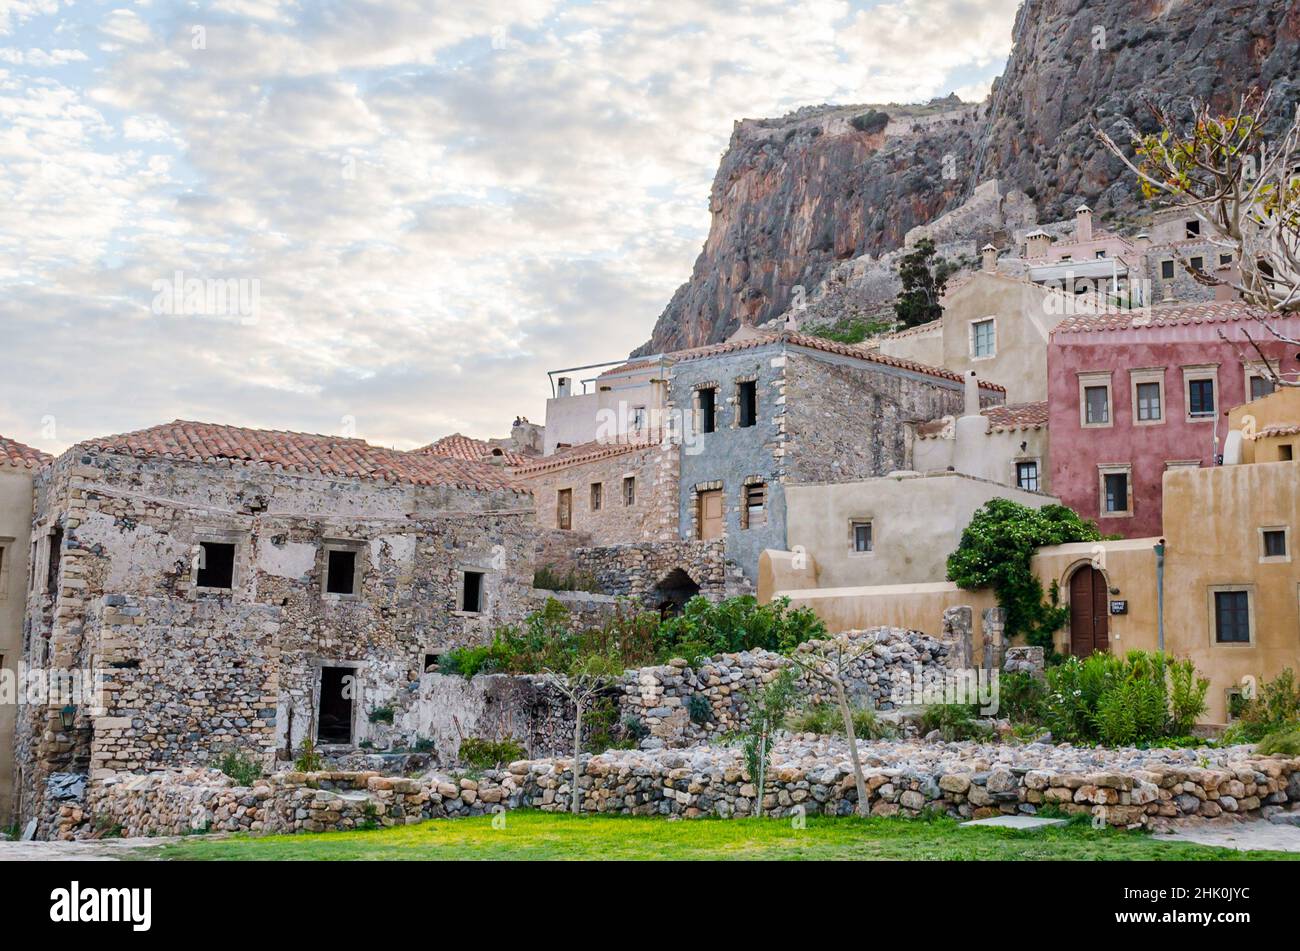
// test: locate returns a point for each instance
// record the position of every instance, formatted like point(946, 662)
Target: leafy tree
point(588, 675)
point(769, 707)
point(995, 551)
point(924, 277)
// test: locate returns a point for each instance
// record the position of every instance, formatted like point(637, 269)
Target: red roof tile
point(1163, 315)
point(1280, 429)
point(1017, 416)
point(14, 453)
point(301, 452)
point(576, 455)
point(458, 446)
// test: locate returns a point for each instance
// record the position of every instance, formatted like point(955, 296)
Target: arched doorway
point(1089, 612)
point(671, 594)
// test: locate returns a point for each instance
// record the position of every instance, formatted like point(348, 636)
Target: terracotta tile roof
point(1016, 416)
point(1162, 315)
point(631, 365)
point(576, 455)
point(1280, 429)
point(469, 449)
point(14, 453)
point(915, 330)
point(301, 452)
point(857, 351)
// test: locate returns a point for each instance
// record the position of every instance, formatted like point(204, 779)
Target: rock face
point(796, 196)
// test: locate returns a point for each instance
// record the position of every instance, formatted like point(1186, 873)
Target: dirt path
point(99, 850)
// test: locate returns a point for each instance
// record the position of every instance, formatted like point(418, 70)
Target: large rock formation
point(798, 195)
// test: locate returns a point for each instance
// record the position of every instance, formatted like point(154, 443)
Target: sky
point(387, 218)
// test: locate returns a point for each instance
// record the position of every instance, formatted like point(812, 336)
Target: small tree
point(588, 675)
point(828, 662)
point(1222, 169)
point(923, 284)
point(769, 707)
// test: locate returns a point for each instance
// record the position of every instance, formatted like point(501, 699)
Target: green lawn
point(537, 835)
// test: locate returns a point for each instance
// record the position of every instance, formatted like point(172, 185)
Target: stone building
point(244, 590)
point(19, 465)
point(769, 410)
point(1004, 444)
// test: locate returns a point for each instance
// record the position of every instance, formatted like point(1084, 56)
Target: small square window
point(1096, 405)
point(471, 597)
point(432, 663)
point(1166, 270)
point(747, 394)
point(340, 571)
point(1148, 402)
point(216, 565)
point(862, 537)
point(1027, 476)
point(1285, 453)
point(982, 340)
point(1100, 255)
point(1232, 617)
point(1193, 229)
point(1116, 490)
point(1225, 259)
point(629, 490)
point(597, 490)
point(1197, 263)
point(1274, 543)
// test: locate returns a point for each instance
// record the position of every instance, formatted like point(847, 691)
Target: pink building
point(1135, 393)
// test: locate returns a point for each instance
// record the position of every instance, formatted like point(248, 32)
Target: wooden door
point(564, 509)
point(1089, 612)
point(709, 521)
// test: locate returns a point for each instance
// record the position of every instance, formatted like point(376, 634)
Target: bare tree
point(1246, 193)
point(828, 662)
point(588, 676)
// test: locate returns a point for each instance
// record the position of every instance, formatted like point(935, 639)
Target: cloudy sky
point(389, 217)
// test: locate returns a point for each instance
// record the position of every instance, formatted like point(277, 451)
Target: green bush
point(954, 721)
point(1276, 709)
point(705, 628)
point(308, 761)
point(1186, 695)
point(825, 719)
point(244, 770)
point(1021, 697)
point(1283, 742)
point(699, 709)
point(479, 753)
point(384, 714)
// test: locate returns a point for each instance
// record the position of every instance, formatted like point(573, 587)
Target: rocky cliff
point(797, 197)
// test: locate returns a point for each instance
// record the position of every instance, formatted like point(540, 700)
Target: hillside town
point(232, 590)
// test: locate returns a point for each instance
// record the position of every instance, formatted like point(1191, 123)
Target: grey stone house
point(772, 409)
point(243, 590)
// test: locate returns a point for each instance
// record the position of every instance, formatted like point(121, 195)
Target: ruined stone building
point(244, 590)
point(18, 467)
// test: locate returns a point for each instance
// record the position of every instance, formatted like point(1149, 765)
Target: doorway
point(337, 690)
point(709, 520)
point(1089, 612)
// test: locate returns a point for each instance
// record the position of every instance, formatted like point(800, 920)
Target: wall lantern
point(67, 716)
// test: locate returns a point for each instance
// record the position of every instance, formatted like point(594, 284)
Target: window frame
point(746, 509)
point(701, 419)
point(1124, 469)
point(629, 491)
point(342, 545)
point(1257, 369)
point(1248, 590)
point(1167, 264)
point(596, 496)
point(1200, 374)
point(870, 525)
point(973, 335)
point(237, 541)
point(461, 609)
point(1038, 474)
point(563, 515)
point(1147, 377)
point(1264, 557)
point(1096, 380)
point(744, 386)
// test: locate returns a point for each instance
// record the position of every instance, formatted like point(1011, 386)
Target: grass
point(531, 835)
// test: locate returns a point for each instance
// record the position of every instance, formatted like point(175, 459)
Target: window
point(1274, 544)
point(340, 571)
point(629, 490)
point(432, 662)
point(1260, 386)
point(1100, 255)
point(708, 410)
point(564, 509)
point(1027, 476)
point(638, 419)
point(596, 490)
point(1115, 486)
point(1148, 402)
point(1225, 259)
point(752, 512)
point(471, 592)
point(1197, 263)
point(216, 565)
point(1096, 405)
point(1232, 617)
point(1166, 270)
point(56, 556)
point(1193, 229)
point(1285, 453)
point(747, 395)
point(1200, 398)
point(982, 341)
point(861, 537)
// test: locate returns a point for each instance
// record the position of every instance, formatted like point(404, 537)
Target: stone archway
point(672, 592)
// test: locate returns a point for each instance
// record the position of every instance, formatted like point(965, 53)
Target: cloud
point(438, 201)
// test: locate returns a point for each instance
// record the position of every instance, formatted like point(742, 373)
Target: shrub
point(383, 714)
point(478, 753)
point(699, 709)
point(1021, 697)
point(871, 121)
point(1275, 709)
point(1283, 742)
point(1186, 695)
point(954, 721)
point(308, 761)
point(244, 770)
point(705, 628)
point(634, 729)
point(825, 719)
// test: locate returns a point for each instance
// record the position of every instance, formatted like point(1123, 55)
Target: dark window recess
point(336, 694)
point(862, 536)
point(747, 393)
point(708, 411)
point(1260, 386)
point(56, 556)
point(1198, 264)
point(1275, 544)
point(432, 663)
point(216, 565)
point(1193, 229)
point(472, 592)
point(596, 493)
point(341, 572)
point(1117, 492)
point(1027, 476)
point(1200, 397)
point(1232, 617)
point(1167, 270)
point(1285, 454)
point(629, 490)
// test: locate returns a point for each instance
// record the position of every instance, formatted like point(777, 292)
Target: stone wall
point(649, 572)
point(808, 775)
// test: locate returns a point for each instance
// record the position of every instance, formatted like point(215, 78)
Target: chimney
point(1036, 244)
point(990, 258)
point(562, 386)
point(972, 407)
point(1083, 223)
